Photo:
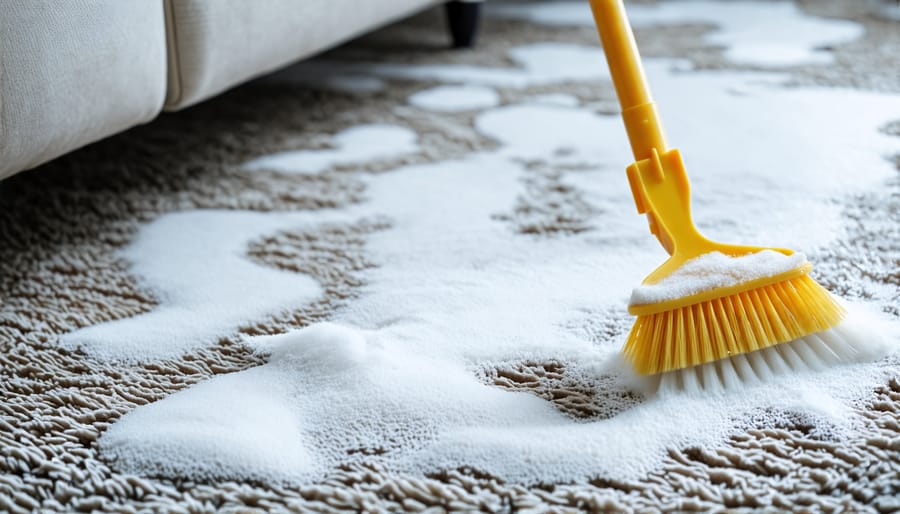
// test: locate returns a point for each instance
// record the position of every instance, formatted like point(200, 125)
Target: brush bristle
point(730, 326)
point(842, 344)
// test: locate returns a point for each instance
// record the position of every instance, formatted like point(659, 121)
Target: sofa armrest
point(75, 71)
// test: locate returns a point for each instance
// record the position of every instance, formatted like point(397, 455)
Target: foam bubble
point(194, 262)
point(352, 146)
point(455, 98)
point(714, 270)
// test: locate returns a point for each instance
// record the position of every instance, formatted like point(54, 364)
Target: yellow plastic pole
point(639, 113)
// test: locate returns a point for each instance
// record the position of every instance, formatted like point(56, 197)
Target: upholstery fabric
point(75, 71)
point(214, 45)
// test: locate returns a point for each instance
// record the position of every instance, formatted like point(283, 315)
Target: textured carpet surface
point(60, 227)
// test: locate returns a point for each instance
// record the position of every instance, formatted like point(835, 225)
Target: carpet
point(427, 197)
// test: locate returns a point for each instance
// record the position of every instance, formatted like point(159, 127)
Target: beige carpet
point(60, 226)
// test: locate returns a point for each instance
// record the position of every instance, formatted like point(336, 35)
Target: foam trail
point(455, 285)
point(769, 35)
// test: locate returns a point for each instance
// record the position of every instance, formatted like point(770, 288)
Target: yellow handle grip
point(638, 110)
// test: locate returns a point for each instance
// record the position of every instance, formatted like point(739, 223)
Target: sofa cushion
point(75, 71)
point(216, 44)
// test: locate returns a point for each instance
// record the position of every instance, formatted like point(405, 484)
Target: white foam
point(714, 270)
point(455, 98)
point(535, 64)
point(765, 34)
point(331, 395)
point(456, 288)
point(205, 430)
point(351, 146)
point(557, 99)
point(195, 263)
point(328, 395)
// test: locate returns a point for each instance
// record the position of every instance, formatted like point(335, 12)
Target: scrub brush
point(711, 334)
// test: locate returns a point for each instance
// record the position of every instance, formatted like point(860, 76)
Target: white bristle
point(760, 365)
point(743, 368)
point(670, 382)
point(776, 362)
point(845, 343)
point(690, 382)
point(711, 380)
point(839, 346)
point(791, 358)
point(810, 358)
point(843, 346)
point(823, 350)
point(730, 378)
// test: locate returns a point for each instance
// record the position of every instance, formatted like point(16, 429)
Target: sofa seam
point(4, 142)
point(173, 61)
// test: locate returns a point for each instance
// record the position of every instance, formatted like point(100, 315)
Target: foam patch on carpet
point(352, 146)
point(791, 36)
point(414, 295)
point(455, 98)
point(536, 63)
point(454, 287)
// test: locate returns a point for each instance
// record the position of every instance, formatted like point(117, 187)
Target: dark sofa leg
point(462, 18)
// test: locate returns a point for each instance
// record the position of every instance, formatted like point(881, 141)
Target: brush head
point(711, 301)
point(730, 325)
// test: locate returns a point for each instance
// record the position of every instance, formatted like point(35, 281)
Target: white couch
point(75, 71)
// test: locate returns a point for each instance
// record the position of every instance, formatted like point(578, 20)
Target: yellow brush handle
point(658, 180)
point(638, 110)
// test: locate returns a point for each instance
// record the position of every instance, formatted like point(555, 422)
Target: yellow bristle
point(730, 325)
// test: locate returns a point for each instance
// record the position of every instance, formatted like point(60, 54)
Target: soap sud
point(455, 98)
point(715, 270)
point(195, 263)
point(536, 64)
point(351, 395)
point(202, 432)
point(454, 288)
point(557, 99)
point(351, 146)
point(627, 445)
point(329, 395)
point(762, 34)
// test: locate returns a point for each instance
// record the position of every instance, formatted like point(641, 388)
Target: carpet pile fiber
point(60, 227)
